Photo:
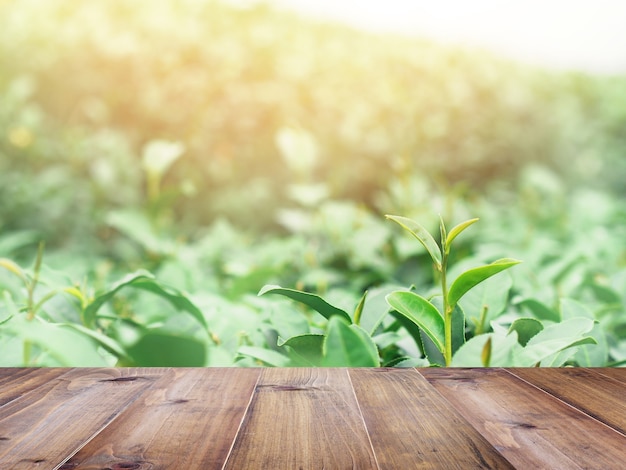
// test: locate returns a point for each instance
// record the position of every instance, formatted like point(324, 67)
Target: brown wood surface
point(158, 418)
point(44, 427)
point(585, 389)
point(187, 419)
point(617, 373)
point(420, 427)
point(16, 382)
point(530, 427)
point(303, 418)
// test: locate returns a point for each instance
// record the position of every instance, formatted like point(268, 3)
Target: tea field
point(199, 183)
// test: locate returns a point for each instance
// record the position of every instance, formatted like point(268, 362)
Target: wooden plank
point(412, 426)
point(597, 395)
point(15, 382)
point(43, 428)
point(530, 427)
point(188, 419)
point(616, 373)
point(303, 419)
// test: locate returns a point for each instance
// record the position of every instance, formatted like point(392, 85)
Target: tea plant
point(76, 329)
point(421, 311)
point(344, 342)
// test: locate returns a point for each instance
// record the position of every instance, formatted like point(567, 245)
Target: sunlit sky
point(577, 34)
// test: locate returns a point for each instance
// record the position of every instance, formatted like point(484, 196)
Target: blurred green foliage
point(225, 147)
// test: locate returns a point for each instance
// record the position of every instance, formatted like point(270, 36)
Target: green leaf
point(504, 350)
point(13, 267)
point(456, 231)
point(589, 355)
point(458, 322)
point(359, 309)
point(69, 347)
point(594, 355)
point(560, 358)
point(314, 301)
point(475, 276)
point(137, 227)
point(163, 349)
point(159, 155)
point(526, 328)
point(422, 235)
point(376, 307)
point(12, 309)
point(266, 356)
point(304, 350)
point(174, 296)
point(492, 294)
point(570, 308)
point(89, 314)
point(348, 346)
point(408, 362)
point(144, 280)
point(485, 356)
point(107, 343)
point(421, 312)
point(10, 242)
point(555, 338)
point(540, 311)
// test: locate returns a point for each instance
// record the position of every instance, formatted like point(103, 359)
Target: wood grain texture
point(530, 427)
point(412, 426)
point(43, 428)
point(586, 389)
point(188, 419)
point(303, 419)
point(616, 373)
point(15, 382)
point(169, 418)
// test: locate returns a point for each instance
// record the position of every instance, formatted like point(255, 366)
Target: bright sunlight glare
point(577, 34)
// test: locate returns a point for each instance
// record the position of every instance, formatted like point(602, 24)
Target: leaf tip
point(266, 288)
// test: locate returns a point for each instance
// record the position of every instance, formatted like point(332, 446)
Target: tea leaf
point(66, 346)
point(107, 343)
point(164, 349)
point(456, 231)
point(159, 155)
point(314, 301)
point(376, 307)
point(267, 356)
point(359, 309)
point(174, 297)
point(590, 355)
point(13, 267)
point(348, 346)
point(540, 311)
point(475, 276)
point(142, 279)
point(555, 338)
point(458, 322)
point(304, 350)
point(526, 328)
point(486, 354)
point(422, 235)
point(504, 350)
point(421, 312)
point(487, 300)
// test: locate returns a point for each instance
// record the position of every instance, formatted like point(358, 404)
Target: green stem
point(480, 327)
point(447, 313)
point(26, 352)
point(153, 189)
point(33, 285)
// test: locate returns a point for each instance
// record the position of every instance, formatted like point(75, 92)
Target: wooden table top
point(238, 418)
